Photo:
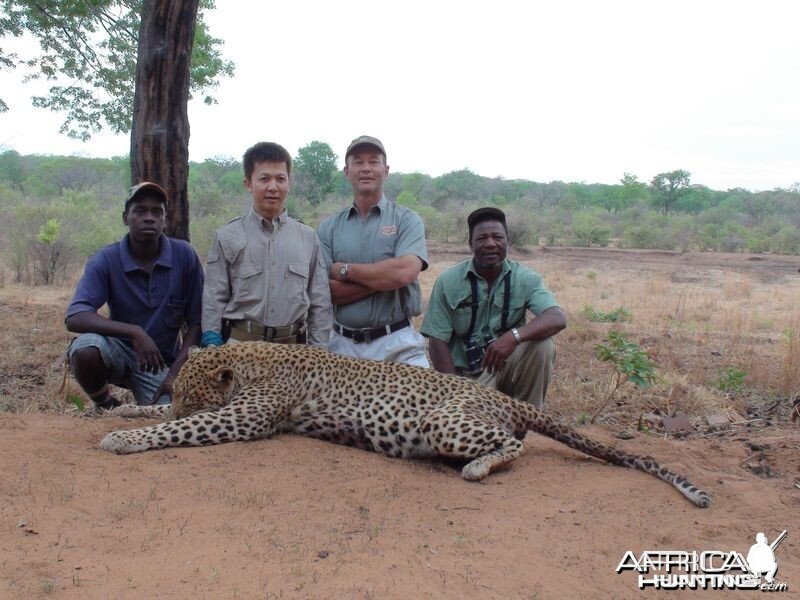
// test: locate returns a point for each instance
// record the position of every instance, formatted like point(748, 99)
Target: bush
point(588, 231)
point(618, 315)
point(730, 379)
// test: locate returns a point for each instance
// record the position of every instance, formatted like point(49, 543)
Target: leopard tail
point(543, 424)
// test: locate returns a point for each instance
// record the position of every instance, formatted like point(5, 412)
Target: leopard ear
point(222, 375)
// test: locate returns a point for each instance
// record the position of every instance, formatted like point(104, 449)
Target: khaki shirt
point(270, 272)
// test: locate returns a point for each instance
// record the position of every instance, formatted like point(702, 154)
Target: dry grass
point(694, 322)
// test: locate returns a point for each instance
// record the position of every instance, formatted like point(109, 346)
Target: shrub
point(629, 363)
point(617, 315)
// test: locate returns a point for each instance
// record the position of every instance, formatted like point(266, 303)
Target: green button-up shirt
point(390, 230)
point(449, 309)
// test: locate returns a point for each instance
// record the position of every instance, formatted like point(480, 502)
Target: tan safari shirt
point(270, 272)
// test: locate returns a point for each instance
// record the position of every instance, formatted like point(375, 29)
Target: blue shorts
point(121, 361)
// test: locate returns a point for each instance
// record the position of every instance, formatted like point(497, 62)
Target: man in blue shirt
point(153, 286)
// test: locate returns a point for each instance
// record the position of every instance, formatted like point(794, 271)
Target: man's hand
point(150, 359)
point(498, 352)
point(164, 389)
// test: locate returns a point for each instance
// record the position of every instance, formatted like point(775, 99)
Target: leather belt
point(265, 332)
point(362, 336)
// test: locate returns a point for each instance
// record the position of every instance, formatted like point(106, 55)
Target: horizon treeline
point(58, 210)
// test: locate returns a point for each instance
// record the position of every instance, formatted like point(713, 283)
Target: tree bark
point(160, 132)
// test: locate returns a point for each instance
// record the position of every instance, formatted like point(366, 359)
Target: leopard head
point(205, 382)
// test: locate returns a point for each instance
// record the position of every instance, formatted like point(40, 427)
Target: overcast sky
point(570, 90)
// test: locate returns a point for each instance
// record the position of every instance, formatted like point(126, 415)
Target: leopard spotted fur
point(255, 389)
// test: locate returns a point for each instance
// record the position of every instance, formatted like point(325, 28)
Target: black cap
point(487, 213)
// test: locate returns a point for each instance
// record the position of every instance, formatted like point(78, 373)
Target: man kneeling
point(475, 321)
point(153, 286)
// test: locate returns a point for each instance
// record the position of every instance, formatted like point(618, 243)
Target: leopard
point(252, 390)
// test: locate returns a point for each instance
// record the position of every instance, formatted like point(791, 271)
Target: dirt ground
point(293, 517)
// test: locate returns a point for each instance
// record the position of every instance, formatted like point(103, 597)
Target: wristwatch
point(343, 270)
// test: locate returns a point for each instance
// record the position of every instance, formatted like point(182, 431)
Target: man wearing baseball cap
point(475, 322)
point(375, 250)
point(153, 286)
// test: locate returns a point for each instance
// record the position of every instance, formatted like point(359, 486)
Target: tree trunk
point(160, 133)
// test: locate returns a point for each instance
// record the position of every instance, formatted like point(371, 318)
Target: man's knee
point(539, 352)
point(87, 359)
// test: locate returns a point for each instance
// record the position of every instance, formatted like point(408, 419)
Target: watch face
point(343, 270)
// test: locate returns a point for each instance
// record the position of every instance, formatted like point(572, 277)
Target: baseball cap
point(364, 140)
point(487, 213)
point(145, 186)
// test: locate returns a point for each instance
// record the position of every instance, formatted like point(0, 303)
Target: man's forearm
point(91, 322)
point(545, 325)
point(383, 276)
point(347, 292)
point(440, 356)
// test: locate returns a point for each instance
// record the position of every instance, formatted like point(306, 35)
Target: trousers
point(527, 372)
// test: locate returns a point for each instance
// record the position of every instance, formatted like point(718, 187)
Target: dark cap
point(364, 140)
point(487, 213)
point(145, 186)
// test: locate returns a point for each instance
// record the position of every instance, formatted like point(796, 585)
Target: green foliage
point(50, 232)
point(92, 48)
point(84, 195)
point(77, 401)
point(588, 231)
point(407, 199)
point(730, 379)
point(618, 315)
point(629, 363)
point(669, 188)
point(314, 170)
point(787, 240)
point(628, 360)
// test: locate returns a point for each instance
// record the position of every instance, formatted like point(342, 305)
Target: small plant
point(630, 363)
point(730, 379)
point(618, 315)
point(77, 401)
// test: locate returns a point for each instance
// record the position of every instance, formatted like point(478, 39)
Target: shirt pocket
point(384, 246)
point(173, 313)
point(297, 281)
point(516, 313)
point(462, 316)
point(246, 282)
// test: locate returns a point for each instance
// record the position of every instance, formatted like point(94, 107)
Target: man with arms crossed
point(475, 322)
point(153, 285)
point(265, 275)
point(376, 250)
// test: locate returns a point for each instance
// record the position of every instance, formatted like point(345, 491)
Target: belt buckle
point(361, 336)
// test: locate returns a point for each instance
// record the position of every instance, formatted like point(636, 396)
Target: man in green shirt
point(475, 321)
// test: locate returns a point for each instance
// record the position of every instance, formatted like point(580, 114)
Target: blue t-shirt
point(159, 301)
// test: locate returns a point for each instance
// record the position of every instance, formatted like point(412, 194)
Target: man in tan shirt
point(266, 278)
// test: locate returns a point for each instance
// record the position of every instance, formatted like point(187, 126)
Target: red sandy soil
point(293, 517)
